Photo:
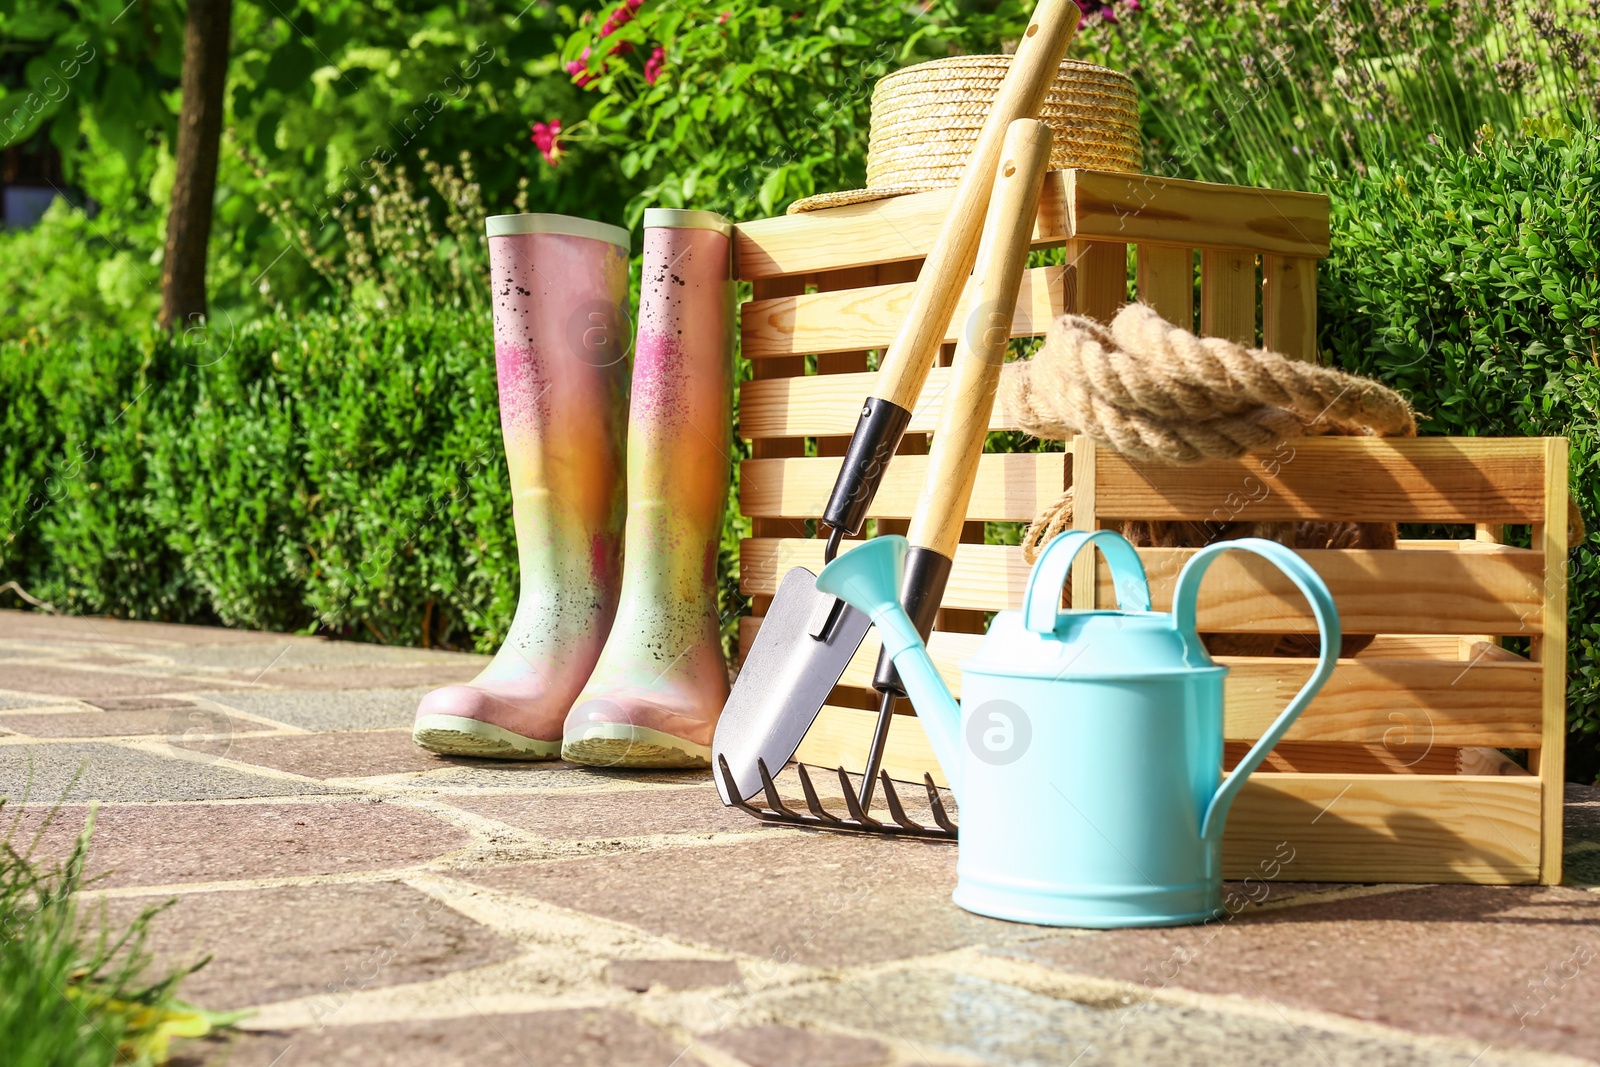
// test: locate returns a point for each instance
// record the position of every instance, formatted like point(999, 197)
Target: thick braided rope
point(1154, 391)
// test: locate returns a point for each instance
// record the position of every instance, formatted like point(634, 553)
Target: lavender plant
point(1267, 91)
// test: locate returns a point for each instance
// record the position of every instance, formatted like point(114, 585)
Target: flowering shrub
point(741, 107)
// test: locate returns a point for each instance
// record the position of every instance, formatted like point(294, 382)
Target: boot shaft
point(560, 297)
point(682, 402)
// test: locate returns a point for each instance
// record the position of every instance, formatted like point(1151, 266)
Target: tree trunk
point(205, 73)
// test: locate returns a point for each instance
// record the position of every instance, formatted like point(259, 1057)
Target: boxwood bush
point(322, 471)
point(1471, 281)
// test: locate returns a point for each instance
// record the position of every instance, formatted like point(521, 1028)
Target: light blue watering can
point(1087, 759)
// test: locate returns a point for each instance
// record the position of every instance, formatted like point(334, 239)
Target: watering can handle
point(1311, 585)
point(1042, 601)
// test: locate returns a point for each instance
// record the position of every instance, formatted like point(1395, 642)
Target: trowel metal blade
point(785, 680)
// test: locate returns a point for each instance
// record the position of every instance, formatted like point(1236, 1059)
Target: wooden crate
point(1391, 774)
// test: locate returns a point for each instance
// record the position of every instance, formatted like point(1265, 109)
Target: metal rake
point(859, 819)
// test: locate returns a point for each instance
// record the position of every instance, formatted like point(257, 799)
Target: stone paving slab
point(597, 816)
point(356, 708)
point(19, 700)
point(297, 654)
point(73, 630)
point(350, 754)
point(485, 776)
point(326, 941)
point(1479, 961)
point(61, 681)
point(811, 898)
point(114, 773)
point(381, 905)
point(941, 1014)
point(789, 1046)
point(575, 1038)
point(173, 721)
point(451, 672)
point(167, 844)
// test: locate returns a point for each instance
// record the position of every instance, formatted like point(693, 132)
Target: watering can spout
point(868, 578)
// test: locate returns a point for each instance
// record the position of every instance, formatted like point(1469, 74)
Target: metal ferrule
point(921, 591)
point(877, 435)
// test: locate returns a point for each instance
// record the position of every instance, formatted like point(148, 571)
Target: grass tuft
point(73, 989)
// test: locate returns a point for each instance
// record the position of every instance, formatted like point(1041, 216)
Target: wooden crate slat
point(1446, 592)
point(1010, 486)
point(984, 578)
point(1550, 649)
point(1408, 705)
point(822, 404)
point(1165, 280)
point(1142, 208)
point(881, 231)
point(1093, 205)
point(1387, 828)
point(867, 318)
point(1346, 479)
point(1289, 305)
point(1096, 279)
point(1228, 295)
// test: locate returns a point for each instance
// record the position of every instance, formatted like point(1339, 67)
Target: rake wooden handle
point(910, 355)
point(981, 346)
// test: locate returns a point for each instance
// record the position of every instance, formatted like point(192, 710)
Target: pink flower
point(653, 65)
point(547, 138)
point(618, 18)
point(621, 48)
point(579, 69)
point(722, 19)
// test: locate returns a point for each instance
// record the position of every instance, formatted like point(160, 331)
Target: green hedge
point(1471, 281)
point(316, 471)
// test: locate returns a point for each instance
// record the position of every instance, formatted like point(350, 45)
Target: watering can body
point(1086, 755)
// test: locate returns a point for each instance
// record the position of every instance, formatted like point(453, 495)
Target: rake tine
point(856, 813)
point(811, 798)
point(774, 801)
point(896, 812)
point(733, 789)
point(937, 805)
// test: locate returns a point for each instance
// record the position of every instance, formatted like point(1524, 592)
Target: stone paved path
point(379, 905)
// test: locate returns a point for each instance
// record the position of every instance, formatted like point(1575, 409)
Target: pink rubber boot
point(655, 695)
point(560, 300)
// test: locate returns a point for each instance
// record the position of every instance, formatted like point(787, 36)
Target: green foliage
point(327, 100)
point(316, 472)
point(74, 991)
point(1471, 281)
point(756, 103)
point(1265, 92)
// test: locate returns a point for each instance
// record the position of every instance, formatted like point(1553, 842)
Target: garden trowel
point(808, 638)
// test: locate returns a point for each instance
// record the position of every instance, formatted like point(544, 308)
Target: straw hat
point(926, 118)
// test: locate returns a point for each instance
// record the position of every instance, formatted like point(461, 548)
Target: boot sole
point(454, 735)
point(605, 744)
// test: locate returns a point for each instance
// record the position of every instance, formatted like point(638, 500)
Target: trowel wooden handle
point(981, 345)
point(910, 355)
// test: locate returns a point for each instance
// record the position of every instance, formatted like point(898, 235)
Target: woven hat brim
point(846, 197)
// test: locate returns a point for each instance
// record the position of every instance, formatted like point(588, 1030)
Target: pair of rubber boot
point(613, 657)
